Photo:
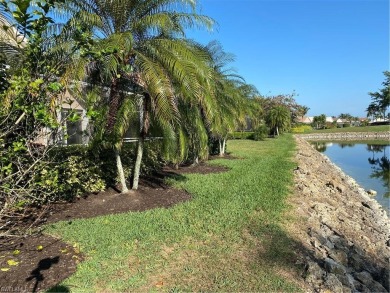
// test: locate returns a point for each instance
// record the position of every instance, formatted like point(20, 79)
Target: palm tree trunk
point(121, 174)
point(144, 127)
point(220, 148)
point(224, 146)
point(115, 101)
point(137, 166)
point(277, 131)
point(196, 161)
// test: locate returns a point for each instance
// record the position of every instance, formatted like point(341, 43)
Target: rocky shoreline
point(345, 234)
point(385, 135)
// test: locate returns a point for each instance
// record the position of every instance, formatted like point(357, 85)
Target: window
point(73, 133)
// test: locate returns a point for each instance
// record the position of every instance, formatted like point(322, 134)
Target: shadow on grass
point(278, 250)
point(59, 289)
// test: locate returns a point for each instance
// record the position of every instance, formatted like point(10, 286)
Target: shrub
point(301, 129)
point(261, 132)
point(213, 146)
point(241, 135)
point(330, 125)
point(78, 172)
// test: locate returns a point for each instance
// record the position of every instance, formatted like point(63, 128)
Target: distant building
point(305, 120)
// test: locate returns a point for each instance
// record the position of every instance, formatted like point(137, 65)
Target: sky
point(331, 53)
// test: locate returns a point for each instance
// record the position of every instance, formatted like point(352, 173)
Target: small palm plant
point(278, 119)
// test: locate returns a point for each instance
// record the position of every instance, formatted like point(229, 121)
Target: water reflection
point(346, 144)
point(321, 146)
point(380, 164)
point(367, 163)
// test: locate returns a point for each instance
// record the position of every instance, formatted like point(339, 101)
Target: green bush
point(213, 146)
point(241, 135)
point(301, 129)
point(330, 125)
point(78, 170)
point(261, 132)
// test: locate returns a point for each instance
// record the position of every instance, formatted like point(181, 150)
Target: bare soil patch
point(39, 262)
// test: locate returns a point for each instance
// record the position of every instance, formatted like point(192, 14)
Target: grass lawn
point(376, 128)
point(228, 238)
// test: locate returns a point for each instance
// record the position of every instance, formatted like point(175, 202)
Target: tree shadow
point(159, 179)
point(279, 250)
point(59, 289)
point(36, 274)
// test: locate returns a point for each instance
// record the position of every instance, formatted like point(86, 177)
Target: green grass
point(228, 238)
point(376, 128)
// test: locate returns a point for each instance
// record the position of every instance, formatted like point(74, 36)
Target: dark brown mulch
point(40, 262)
point(201, 168)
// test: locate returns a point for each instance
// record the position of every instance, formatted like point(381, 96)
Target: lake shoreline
point(345, 233)
point(384, 135)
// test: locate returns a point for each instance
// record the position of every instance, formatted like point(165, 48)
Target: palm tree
point(278, 118)
point(304, 110)
point(12, 42)
point(229, 92)
point(140, 52)
point(372, 110)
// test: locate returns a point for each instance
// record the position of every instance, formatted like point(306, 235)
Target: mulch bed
point(39, 262)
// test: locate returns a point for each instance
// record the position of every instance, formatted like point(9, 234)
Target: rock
point(339, 256)
point(333, 267)
point(361, 288)
point(367, 280)
point(359, 263)
point(376, 287)
point(348, 233)
point(340, 188)
point(313, 273)
point(364, 277)
point(333, 283)
point(345, 280)
point(339, 242)
point(371, 192)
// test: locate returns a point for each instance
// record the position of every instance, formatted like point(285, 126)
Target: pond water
point(367, 163)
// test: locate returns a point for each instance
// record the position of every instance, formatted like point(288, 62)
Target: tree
point(347, 116)
point(372, 110)
point(141, 54)
point(230, 93)
point(319, 121)
point(303, 110)
point(380, 99)
point(278, 119)
point(28, 105)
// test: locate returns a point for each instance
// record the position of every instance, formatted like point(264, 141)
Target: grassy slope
point(228, 238)
point(377, 128)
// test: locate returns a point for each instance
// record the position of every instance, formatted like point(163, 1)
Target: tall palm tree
point(230, 93)
point(139, 51)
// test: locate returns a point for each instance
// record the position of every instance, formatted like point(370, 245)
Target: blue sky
point(330, 52)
